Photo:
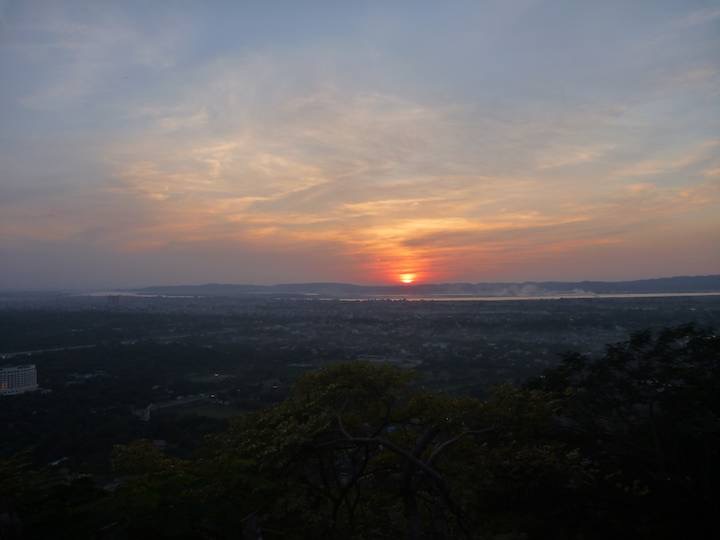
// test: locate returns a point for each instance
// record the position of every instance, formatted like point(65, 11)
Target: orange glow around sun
point(407, 279)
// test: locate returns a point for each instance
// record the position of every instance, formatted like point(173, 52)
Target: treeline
point(623, 446)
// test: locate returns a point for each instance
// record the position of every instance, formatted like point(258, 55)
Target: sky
point(146, 143)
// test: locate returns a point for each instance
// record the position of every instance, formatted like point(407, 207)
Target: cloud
point(700, 153)
point(486, 156)
point(77, 58)
point(700, 17)
point(565, 156)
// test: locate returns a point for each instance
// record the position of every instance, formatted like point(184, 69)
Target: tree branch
point(441, 448)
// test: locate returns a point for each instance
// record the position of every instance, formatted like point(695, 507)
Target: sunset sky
point(147, 143)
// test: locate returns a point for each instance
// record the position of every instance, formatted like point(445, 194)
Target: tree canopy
point(624, 445)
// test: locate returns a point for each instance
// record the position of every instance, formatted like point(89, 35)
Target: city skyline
point(274, 142)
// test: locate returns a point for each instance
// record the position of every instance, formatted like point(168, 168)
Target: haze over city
point(366, 142)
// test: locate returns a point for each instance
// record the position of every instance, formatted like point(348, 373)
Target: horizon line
point(394, 284)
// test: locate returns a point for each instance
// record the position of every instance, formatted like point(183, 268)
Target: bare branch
point(441, 448)
point(390, 446)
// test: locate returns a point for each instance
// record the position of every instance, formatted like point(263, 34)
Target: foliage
point(356, 451)
point(42, 503)
point(647, 417)
point(625, 445)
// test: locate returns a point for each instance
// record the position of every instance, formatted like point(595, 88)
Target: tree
point(646, 415)
point(358, 452)
point(624, 445)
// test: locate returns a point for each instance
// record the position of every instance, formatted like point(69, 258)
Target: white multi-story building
point(18, 379)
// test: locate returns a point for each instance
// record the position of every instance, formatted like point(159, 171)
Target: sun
point(407, 279)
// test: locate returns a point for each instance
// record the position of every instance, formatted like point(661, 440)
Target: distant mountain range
point(680, 284)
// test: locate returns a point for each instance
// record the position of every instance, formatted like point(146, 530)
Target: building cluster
point(18, 379)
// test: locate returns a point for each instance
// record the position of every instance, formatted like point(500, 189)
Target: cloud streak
point(328, 158)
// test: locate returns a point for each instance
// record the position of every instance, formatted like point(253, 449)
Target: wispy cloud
point(349, 157)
